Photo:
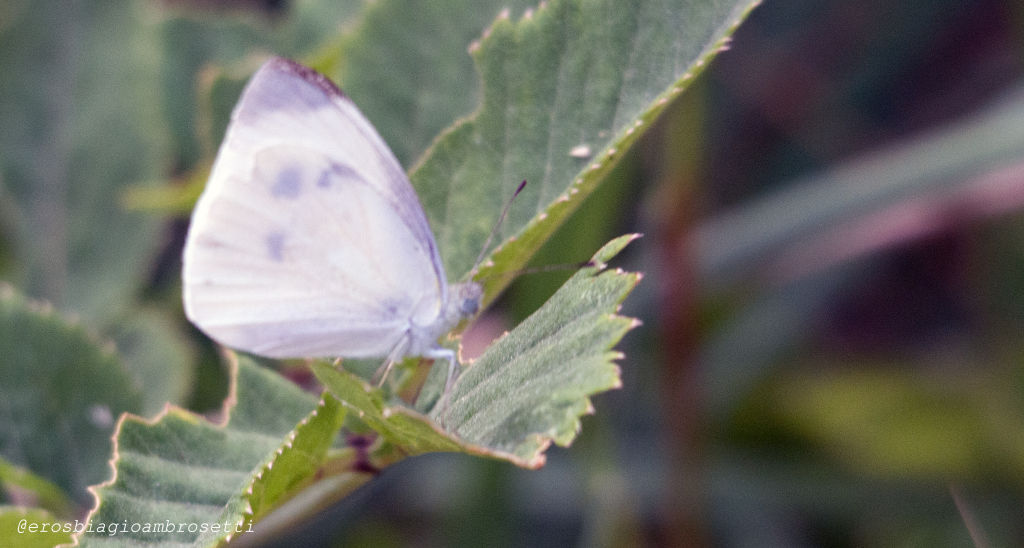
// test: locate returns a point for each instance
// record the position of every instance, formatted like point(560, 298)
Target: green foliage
point(41, 529)
point(196, 43)
point(259, 459)
point(557, 358)
point(531, 386)
point(527, 390)
point(961, 163)
point(407, 68)
point(181, 469)
point(903, 426)
point(559, 108)
point(803, 238)
point(61, 392)
point(556, 94)
point(74, 245)
point(789, 386)
point(159, 356)
point(81, 124)
point(42, 493)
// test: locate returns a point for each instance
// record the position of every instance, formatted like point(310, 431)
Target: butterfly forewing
point(309, 239)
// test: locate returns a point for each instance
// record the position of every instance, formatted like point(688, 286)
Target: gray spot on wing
point(325, 180)
point(275, 246)
point(288, 183)
point(337, 171)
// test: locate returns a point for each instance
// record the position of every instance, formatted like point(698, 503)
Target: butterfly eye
point(470, 306)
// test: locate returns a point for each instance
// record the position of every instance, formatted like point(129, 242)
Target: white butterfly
point(309, 240)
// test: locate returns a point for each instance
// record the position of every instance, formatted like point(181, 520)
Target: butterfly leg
point(396, 354)
point(449, 383)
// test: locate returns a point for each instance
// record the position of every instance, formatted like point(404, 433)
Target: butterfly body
point(309, 240)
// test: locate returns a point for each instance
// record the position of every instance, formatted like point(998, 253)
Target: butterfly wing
point(308, 239)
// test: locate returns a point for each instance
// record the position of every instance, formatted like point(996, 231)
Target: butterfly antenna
point(497, 225)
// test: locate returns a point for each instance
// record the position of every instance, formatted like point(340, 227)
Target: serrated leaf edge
point(540, 441)
point(69, 321)
point(248, 512)
point(169, 409)
point(544, 223)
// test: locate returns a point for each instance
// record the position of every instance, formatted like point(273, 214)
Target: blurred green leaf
point(890, 424)
point(207, 56)
point(42, 492)
point(803, 239)
point(528, 389)
point(194, 40)
point(151, 342)
point(405, 64)
point(183, 469)
point(60, 393)
point(38, 531)
point(960, 172)
point(78, 123)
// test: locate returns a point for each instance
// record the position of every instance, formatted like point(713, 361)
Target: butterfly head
point(463, 300)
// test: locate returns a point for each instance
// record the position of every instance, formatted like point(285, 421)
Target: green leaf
point(195, 40)
point(21, 484)
point(31, 528)
point(528, 389)
point(60, 393)
point(80, 123)
point(413, 433)
point(532, 385)
point(294, 466)
point(405, 64)
point(181, 469)
point(158, 354)
point(566, 90)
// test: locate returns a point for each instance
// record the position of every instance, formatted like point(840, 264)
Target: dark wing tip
point(281, 64)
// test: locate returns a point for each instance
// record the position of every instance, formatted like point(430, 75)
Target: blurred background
point(833, 301)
